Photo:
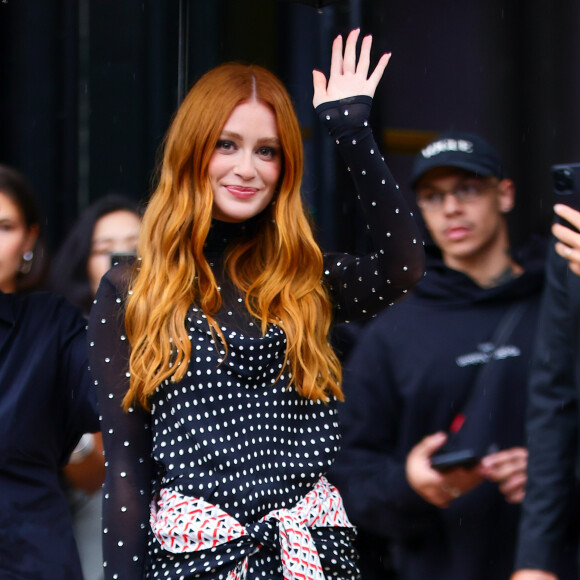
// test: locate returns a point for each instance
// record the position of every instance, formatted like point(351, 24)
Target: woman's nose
point(245, 166)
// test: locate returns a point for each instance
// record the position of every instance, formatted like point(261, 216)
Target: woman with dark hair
point(23, 260)
point(109, 225)
point(216, 380)
point(46, 399)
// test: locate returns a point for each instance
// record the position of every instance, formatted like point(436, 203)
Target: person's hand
point(439, 489)
point(508, 469)
point(568, 245)
point(347, 78)
point(88, 472)
point(533, 575)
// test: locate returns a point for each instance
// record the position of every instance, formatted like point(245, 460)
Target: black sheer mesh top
point(232, 432)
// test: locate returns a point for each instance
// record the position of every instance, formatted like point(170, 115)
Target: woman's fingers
point(336, 64)
point(319, 83)
point(379, 70)
point(364, 59)
point(348, 77)
point(349, 66)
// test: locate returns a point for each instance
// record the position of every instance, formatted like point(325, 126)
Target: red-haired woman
point(216, 380)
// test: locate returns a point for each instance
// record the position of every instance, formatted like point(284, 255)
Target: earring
point(26, 264)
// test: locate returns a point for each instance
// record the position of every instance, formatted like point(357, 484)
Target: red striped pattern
point(187, 524)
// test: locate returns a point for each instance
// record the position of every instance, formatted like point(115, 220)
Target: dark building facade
point(89, 88)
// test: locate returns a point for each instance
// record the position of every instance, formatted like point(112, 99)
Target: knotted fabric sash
point(186, 524)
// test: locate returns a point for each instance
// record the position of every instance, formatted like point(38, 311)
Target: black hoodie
point(408, 376)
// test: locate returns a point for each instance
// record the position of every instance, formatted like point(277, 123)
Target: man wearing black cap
point(445, 370)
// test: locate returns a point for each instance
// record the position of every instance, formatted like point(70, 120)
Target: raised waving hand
point(347, 77)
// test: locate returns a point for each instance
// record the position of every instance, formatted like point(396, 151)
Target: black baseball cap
point(459, 149)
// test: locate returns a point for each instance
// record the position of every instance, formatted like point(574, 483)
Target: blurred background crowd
point(90, 88)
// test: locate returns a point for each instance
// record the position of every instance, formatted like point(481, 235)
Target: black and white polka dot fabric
point(232, 433)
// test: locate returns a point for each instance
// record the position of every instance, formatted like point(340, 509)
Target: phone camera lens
point(564, 180)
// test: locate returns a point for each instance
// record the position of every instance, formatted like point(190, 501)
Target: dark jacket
point(46, 404)
point(408, 377)
point(550, 510)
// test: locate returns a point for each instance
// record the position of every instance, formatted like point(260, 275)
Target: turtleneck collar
point(222, 233)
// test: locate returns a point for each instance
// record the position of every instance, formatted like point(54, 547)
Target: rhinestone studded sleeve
point(126, 436)
point(362, 286)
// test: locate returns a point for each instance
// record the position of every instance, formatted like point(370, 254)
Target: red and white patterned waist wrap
point(183, 523)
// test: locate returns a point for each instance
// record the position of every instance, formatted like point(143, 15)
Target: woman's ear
point(32, 236)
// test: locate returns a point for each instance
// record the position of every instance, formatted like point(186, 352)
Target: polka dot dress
point(232, 432)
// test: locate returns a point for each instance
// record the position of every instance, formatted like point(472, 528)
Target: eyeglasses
point(464, 192)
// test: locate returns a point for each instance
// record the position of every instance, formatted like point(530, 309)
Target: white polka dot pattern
point(233, 433)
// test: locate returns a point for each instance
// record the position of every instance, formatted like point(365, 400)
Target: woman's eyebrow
point(269, 141)
point(263, 140)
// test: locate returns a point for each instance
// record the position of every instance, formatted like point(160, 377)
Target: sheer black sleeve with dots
point(362, 286)
point(126, 435)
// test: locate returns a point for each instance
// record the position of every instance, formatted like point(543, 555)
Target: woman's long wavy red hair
point(278, 270)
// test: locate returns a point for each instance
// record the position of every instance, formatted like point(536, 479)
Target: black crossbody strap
point(502, 332)
point(507, 324)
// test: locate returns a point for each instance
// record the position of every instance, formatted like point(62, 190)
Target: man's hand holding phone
point(568, 244)
point(439, 488)
point(566, 226)
point(508, 468)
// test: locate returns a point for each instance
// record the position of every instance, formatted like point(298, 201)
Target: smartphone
point(449, 460)
point(566, 179)
point(118, 257)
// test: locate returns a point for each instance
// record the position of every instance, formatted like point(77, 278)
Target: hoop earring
point(26, 264)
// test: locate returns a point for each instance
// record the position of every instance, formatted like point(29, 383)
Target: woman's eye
point(267, 152)
point(225, 145)
point(102, 251)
